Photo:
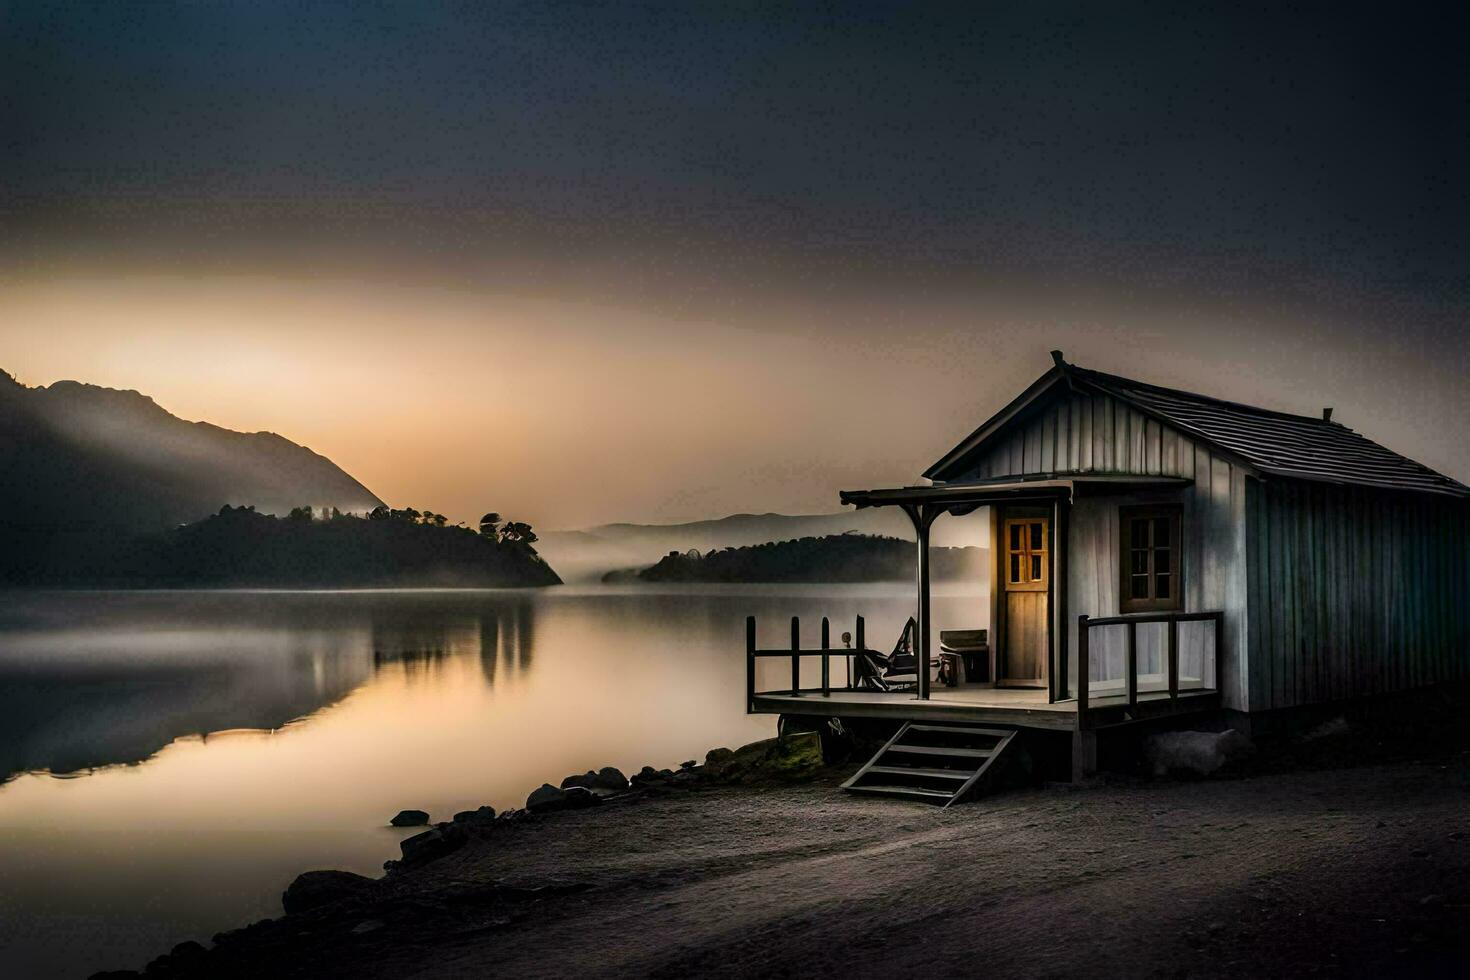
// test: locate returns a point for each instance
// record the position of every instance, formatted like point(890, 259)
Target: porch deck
point(978, 703)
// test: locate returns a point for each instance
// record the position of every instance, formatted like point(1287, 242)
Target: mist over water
point(216, 744)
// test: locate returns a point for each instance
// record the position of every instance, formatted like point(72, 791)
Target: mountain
point(588, 554)
point(834, 558)
point(81, 466)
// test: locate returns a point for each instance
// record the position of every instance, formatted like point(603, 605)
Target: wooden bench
point(971, 645)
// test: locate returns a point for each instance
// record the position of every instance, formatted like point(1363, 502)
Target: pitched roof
point(1276, 443)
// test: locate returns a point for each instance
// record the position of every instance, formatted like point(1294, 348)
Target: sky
point(580, 263)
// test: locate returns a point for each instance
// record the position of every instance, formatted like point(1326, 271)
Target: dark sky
point(1293, 178)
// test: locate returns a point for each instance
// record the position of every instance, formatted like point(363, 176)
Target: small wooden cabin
point(1158, 552)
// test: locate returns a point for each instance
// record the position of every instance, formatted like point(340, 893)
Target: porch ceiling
point(972, 495)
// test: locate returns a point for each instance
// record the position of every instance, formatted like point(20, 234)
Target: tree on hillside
point(517, 533)
point(301, 515)
point(490, 526)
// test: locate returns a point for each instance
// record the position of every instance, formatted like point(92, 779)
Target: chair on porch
point(898, 670)
point(971, 646)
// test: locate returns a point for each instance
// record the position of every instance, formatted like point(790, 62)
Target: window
point(1026, 555)
point(1149, 542)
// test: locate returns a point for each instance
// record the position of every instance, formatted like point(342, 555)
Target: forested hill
point(82, 465)
point(239, 547)
point(834, 558)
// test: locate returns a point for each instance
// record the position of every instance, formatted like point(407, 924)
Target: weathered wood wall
point(1354, 592)
point(1080, 433)
point(1096, 434)
point(1212, 561)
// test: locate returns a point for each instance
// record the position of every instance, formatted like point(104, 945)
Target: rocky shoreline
point(775, 761)
point(1342, 852)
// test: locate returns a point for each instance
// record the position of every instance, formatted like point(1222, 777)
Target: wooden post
point(1057, 583)
point(795, 655)
point(1173, 659)
point(859, 643)
point(1084, 669)
point(826, 658)
point(1131, 650)
point(1219, 649)
point(749, 664)
point(922, 518)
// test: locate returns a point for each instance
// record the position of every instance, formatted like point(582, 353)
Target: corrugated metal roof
point(1296, 446)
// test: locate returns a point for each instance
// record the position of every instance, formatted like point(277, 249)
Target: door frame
point(1000, 515)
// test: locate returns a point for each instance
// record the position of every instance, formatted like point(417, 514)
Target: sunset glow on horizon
point(545, 278)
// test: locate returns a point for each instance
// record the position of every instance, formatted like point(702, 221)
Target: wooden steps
point(942, 764)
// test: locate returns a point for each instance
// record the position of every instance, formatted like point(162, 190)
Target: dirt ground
point(1281, 869)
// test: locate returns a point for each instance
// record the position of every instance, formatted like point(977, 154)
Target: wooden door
point(1027, 570)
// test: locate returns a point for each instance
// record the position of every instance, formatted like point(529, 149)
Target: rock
point(443, 839)
point(580, 797)
point(1199, 752)
point(645, 776)
point(1330, 729)
point(410, 818)
point(587, 779)
point(317, 888)
point(688, 765)
point(610, 778)
point(546, 799)
point(726, 766)
point(797, 756)
point(474, 818)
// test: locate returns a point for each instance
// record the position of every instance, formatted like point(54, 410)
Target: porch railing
point(796, 654)
point(1131, 622)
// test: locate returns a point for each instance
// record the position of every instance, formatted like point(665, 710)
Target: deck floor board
point(1027, 707)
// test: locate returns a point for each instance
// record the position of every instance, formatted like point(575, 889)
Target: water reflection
point(118, 684)
point(268, 733)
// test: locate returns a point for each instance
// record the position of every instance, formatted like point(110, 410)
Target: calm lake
point(175, 759)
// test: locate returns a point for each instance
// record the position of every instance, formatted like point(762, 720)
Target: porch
point(826, 682)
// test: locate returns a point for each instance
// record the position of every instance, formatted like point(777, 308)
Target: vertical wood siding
point(1357, 592)
point(1079, 433)
point(1212, 562)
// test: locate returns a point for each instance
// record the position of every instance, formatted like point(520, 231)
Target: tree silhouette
point(489, 526)
point(517, 533)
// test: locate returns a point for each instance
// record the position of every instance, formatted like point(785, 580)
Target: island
point(831, 558)
point(240, 547)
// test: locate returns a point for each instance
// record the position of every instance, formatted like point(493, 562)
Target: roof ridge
point(1257, 409)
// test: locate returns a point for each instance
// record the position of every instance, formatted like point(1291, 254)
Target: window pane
point(1015, 568)
point(1036, 568)
point(1140, 562)
point(1140, 587)
point(1036, 537)
point(1139, 533)
point(1015, 537)
point(1161, 561)
point(1161, 586)
point(1161, 532)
